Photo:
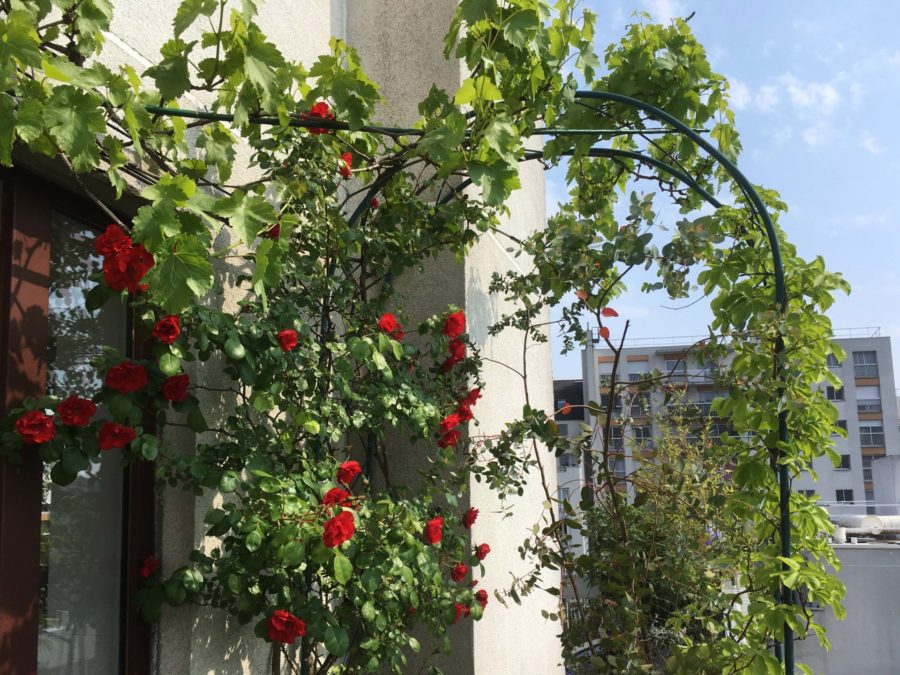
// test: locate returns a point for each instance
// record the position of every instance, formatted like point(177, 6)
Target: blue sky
point(816, 90)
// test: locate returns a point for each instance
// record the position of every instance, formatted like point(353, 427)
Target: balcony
point(868, 405)
point(872, 440)
point(867, 371)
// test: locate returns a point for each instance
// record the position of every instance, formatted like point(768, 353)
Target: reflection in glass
point(81, 522)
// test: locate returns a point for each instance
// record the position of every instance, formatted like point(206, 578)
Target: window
point(605, 379)
point(705, 399)
point(617, 404)
point(867, 468)
point(870, 502)
point(868, 399)
point(865, 364)
point(563, 496)
point(807, 493)
point(843, 496)
point(640, 406)
point(64, 592)
point(871, 436)
point(643, 435)
point(832, 361)
point(840, 424)
point(844, 464)
point(676, 369)
point(567, 460)
point(834, 394)
point(616, 439)
point(617, 466)
point(638, 377)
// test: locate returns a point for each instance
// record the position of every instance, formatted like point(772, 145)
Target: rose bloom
point(127, 377)
point(346, 164)
point(34, 427)
point(273, 232)
point(455, 324)
point(339, 529)
point(167, 329)
point(457, 349)
point(76, 411)
point(469, 517)
point(447, 365)
point(322, 111)
point(374, 203)
point(125, 270)
point(473, 396)
point(459, 572)
point(336, 497)
point(388, 324)
point(450, 438)
point(113, 436)
point(481, 551)
point(287, 339)
point(285, 627)
point(482, 598)
point(434, 530)
point(348, 471)
point(175, 387)
point(464, 411)
point(113, 241)
point(460, 611)
point(449, 422)
point(148, 567)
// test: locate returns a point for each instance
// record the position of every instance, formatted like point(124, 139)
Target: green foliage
point(317, 257)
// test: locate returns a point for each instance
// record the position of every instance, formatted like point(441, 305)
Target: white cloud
point(871, 143)
point(738, 94)
point(766, 98)
point(664, 10)
point(821, 96)
point(817, 134)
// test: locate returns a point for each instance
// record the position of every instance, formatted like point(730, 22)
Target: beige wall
point(401, 43)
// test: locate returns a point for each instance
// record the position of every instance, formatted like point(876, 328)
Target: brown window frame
point(27, 203)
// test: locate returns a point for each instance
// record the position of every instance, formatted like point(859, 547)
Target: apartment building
point(866, 404)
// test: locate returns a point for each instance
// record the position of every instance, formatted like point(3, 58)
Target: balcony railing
point(865, 371)
point(867, 405)
point(872, 440)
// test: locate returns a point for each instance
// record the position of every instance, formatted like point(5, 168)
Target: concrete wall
point(868, 641)
point(401, 43)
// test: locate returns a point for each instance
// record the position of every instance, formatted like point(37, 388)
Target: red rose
point(346, 164)
point(75, 411)
point(287, 339)
point(374, 203)
point(127, 377)
point(167, 329)
point(336, 497)
point(447, 365)
point(459, 572)
point(460, 611)
point(449, 439)
point(481, 551)
point(388, 324)
point(457, 349)
point(321, 111)
point(449, 423)
point(273, 232)
point(464, 411)
point(285, 627)
point(455, 324)
point(434, 530)
point(114, 436)
point(482, 598)
point(339, 529)
point(469, 517)
point(148, 567)
point(608, 311)
point(348, 471)
point(126, 269)
point(34, 427)
point(175, 387)
point(473, 396)
point(113, 241)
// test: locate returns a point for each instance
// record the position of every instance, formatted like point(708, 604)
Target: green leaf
point(248, 215)
point(234, 348)
point(292, 554)
point(219, 147)
point(311, 427)
point(7, 128)
point(253, 540)
point(188, 12)
point(368, 611)
point(73, 118)
point(169, 364)
point(478, 89)
point(343, 569)
point(196, 421)
point(336, 640)
point(171, 74)
point(183, 276)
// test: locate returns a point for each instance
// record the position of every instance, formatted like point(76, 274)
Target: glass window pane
point(81, 524)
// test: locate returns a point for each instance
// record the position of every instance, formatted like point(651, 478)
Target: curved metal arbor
point(785, 651)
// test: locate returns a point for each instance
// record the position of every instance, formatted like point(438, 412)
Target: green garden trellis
point(784, 650)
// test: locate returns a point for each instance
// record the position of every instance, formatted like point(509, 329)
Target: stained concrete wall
point(401, 43)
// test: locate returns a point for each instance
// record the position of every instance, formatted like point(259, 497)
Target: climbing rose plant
point(297, 400)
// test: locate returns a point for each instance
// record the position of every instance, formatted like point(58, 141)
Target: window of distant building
point(834, 393)
point(865, 364)
point(843, 496)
